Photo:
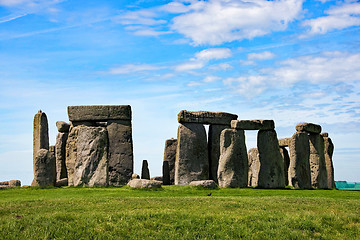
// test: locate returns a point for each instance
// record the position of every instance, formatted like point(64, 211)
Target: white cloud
point(189, 66)
point(249, 87)
point(221, 66)
point(209, 79)
point(261, 56)
point(339, 17)
point(218, 21)
point(132, 68)
point(193, 84)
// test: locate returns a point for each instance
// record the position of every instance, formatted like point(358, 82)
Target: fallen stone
point(308, 127)
point(284, 142)
point(41, 133)
point(121, 157)
point(192, 162)
point(60, 155)
point(204, 117)
point(11, 183)
point(299, 173)
point(329, 150)
point(317, 162)
point(285, 154)
point(145, 173)
point(99, 113)
point(144, 183)
point(204, 183)
point(271, 173)
point(62, 182)
point(233, 163)
point(135, 176)
point(166, 173)
point(62, 126)
point(214, 149)
point(169, 156)
point(44, 169)
point(157, 178)
point(254, 167)
point(253, 124)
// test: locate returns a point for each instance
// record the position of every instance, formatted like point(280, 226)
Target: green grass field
point(178, 212)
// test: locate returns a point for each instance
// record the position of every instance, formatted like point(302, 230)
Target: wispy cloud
point(133, 68)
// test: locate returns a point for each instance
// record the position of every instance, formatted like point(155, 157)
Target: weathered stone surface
point(214, 149)
point(285, 154)
point(145, 173)
point(299, 173)
point(83, 123)
point(62, 126)
point(144, 183)
point(308, 127)
point(271, 173)
point(204, 183)
point(317, 162)
point(99, 113)
point(61, 182)
point(284, 142)
point(135, 176)
point(329, 150)
point(121, 158)
point(41, 133)
point(157, 178)
point(86, 156)
point(166, 173)
point(11, 183)
point(169, 156)
point(60, 154)
point(44, 169)
point(324, 134)
point(192, 162)
point(254, 167)
point(253, 124)
point(233, 163)
point(204, 117)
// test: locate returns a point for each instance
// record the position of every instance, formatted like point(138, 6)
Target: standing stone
point(41, 133)
point(285, 154)
point(329, 150)
point(60, 154)
point(233, 163)
point(44, 169)
point(121, 162)
point(317, 161)
point(86, 156)
point(169, 156)
point(299, 173)
point(145, 173)
point(271, 173)
point(166, 173)
point(214, 149)
point(192, 162)
point(254, 167)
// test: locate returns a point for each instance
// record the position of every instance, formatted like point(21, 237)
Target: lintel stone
point(253, 124)
point(284, 142)
point(308, 127)
point(99, 113)
point(204, 117)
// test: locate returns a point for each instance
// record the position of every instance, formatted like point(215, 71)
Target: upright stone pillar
point(329, 150)
point(254, 167)
point(169, 157)
point(166, 173)
point(271, 174)
point(60, 149)
point(145, 173)
point(285, 154)
point(40, 133)
point(299, 173)
point(317, 161)
point(44, 169)
point(191, 162)
point(214, 148)
point(233, 163)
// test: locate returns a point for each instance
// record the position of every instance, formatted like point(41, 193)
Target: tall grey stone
point(192, 162)
point(214, 149)
point(329, 150)
point(145, 173)
point(166, 173)
point(121, 159)
point(60, 155)
point(86, 156)
point(44, 168)
point(285, 154)
point(254, 167)
point(317, 161)
point(40, 133)
point(204, 117)
point(233, 163)
point(169, 156)
point(299, 173)
point(271, 173)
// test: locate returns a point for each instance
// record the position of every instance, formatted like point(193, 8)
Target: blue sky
point(291, 61)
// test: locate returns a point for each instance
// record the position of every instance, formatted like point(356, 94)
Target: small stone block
point(253, 124)
point(99, 113)
point(62, 126)
point(308, 127)
point(204, 117)
point(284, 142)
point(324, 134)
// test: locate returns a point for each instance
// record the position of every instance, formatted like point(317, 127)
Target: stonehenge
point(96, 149)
